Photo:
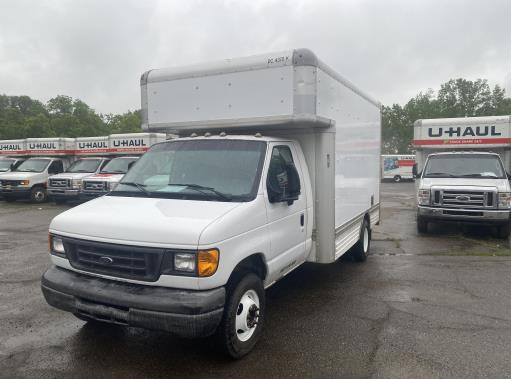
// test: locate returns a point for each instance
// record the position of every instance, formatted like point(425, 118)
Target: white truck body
point(290, 118)
point(46, 157)
point(479, 196)
point(397, 167)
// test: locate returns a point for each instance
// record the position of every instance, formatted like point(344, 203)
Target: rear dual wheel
point(360, 250)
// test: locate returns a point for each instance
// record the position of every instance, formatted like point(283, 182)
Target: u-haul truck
point(92, 155)
point(46, 157)
point(463, 167)
point(127, 148)
point(397, 167)
point(190, 238)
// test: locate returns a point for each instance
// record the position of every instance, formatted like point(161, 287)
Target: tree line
point(63, 116)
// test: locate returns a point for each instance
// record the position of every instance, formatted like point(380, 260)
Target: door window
point(278, 177)
point(56, 167)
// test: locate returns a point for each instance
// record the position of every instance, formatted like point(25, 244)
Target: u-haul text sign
point(485, 133)
point(12, 147)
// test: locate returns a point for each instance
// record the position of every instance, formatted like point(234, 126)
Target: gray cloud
point(96, 50)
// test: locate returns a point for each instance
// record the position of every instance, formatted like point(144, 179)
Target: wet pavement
point(435, 305)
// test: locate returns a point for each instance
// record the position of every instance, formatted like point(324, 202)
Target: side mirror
point(508, 175)
point(414, 170)
point(284, 186)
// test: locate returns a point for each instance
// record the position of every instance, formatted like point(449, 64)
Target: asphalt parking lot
point(437, 305)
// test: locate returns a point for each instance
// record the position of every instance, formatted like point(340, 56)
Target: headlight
point(25, 182)
point(184, 262)
point(76, 183)
point(423, 197)
point(57, 246)
point(504, 200)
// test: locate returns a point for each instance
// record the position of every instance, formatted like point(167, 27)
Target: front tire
point(397, 178)
point(422, 225)
point(503, 230)
point(360, 250)
point(38, 194)
point(243, 318)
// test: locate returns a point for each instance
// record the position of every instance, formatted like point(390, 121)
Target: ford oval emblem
point(463, 198)
point(106, 260)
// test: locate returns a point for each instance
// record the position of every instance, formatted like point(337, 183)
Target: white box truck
point(397, 167)
point(47, 156)
point(202, 224)
point(463, 167)
point(92, 154)
point(126, 149)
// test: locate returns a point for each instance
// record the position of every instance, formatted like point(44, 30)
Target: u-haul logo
point(92, 145)
point(10, 147)
point(129, 143)
point(42, 146)
point(468, 131)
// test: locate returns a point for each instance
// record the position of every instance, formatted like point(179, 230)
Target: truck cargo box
point(12, 147)
point(289, 94)
point(50, 146)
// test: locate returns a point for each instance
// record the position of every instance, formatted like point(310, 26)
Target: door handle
point(302, 219)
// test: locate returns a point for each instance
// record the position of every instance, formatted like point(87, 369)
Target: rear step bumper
point(182, 312)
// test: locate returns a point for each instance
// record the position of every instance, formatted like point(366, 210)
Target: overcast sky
point(392, 49)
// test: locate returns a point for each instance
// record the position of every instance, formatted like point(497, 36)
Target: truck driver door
point(286, 218)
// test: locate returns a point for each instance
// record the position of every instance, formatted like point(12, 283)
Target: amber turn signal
point(207, 262)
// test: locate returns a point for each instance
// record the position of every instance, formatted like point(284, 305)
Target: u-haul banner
point(12, 147)
point(137, 143)
point(49, 146)
point(91, 145)
point(492, 132)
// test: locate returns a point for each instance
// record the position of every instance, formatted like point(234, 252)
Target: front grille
point(464, 199)
point(10, 182)
point(131, 262)
point(60, 183)
point(94, 186)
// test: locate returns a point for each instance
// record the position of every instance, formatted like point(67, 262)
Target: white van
point(201, 225)
point(463, 167)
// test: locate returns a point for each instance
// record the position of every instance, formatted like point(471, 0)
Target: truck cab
point(107, 178)
point(29, 180)
point(464, 186)
point(67, 185)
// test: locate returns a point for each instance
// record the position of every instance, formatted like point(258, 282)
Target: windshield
point(118, 165)
point(33, 165)
point(5, 164)
point(215, 170)
point(463, 166)
point(84, 165)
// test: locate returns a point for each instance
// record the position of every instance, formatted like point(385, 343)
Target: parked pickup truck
point(192, 235)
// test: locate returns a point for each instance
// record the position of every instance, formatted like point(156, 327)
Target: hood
point(500, 184)
point(16, 175)
point(144, 221)
point(106, 177)
point(71, 175)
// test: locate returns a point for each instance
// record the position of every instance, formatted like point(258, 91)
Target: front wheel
point(38, 194)
point(397, 178)
point(503, 230)
point(243, 319)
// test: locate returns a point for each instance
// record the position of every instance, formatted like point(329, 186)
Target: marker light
point(207, 262)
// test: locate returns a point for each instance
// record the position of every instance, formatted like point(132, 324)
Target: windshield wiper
point(201, 189)
point(480, 175)
point(439, 174)
point(139, 186)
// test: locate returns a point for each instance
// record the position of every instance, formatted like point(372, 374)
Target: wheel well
point(254, 263)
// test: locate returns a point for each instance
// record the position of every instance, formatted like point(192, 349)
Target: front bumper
point(57, 193)
point(15, 192)
point(182, 312)
point(465, 215)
